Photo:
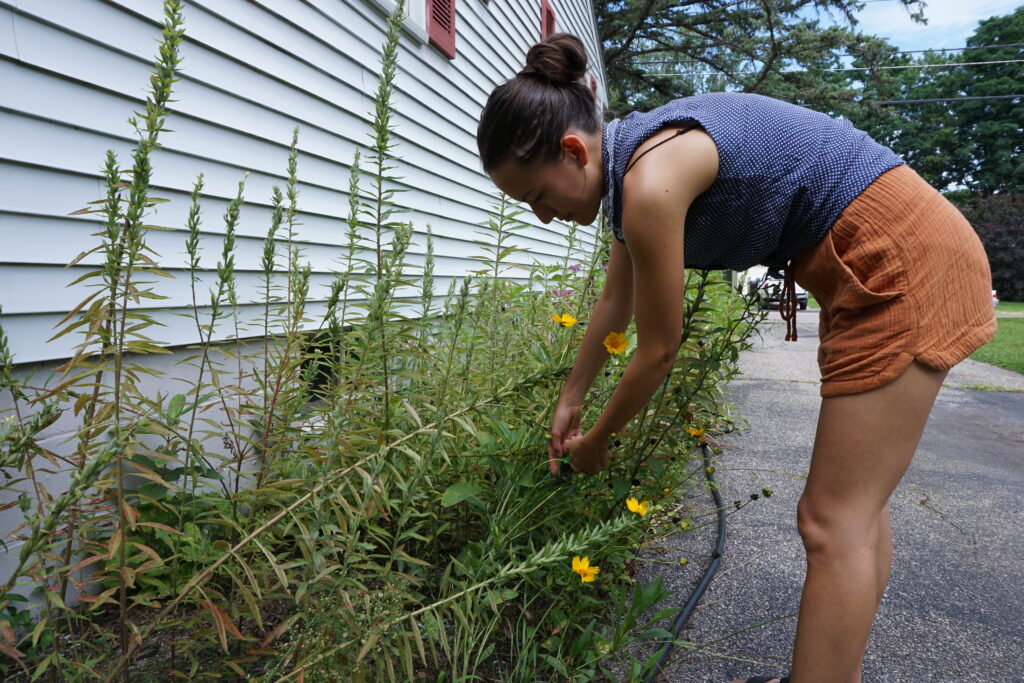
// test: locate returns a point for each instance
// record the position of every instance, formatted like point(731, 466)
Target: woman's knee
point(831, 526)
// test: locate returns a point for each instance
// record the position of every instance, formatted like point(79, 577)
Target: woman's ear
point(575, 149)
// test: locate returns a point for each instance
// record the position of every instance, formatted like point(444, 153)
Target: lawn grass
point(1010, 307)
point(1006, 350)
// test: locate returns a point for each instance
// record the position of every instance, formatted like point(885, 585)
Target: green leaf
point(456, 493)
point(176, 406)
point(153, 490)
point(659, 633)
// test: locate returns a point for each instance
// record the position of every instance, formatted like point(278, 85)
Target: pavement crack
point(924, 502)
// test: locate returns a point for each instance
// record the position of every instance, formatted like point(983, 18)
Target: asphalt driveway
point(954, 607)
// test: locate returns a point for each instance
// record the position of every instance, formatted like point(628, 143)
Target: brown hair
point(525, 117)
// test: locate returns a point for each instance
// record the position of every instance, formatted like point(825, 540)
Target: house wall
point(73, 71)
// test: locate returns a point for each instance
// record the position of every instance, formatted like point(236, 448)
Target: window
point(547, 19)
point(416, 14)
point(441, 25)
point(415, 24)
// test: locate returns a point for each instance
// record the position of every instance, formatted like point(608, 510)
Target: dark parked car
point(769, 289)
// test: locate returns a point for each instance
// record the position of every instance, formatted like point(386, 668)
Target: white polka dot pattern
point(785, 174)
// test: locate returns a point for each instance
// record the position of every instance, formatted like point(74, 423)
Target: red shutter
point(547, 19)
point(441, 25)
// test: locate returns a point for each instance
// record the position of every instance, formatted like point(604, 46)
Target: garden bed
point(364, 496)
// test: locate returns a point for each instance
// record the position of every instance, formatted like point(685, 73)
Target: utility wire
point(857, 68)
point(881, 54)
point(951, 99)
point(944, 49)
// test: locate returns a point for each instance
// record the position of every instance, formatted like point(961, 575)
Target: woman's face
point(569, 189)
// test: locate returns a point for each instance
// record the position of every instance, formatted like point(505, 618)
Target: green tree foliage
point(796, 50)
point(927, 134)
point(994, 126)
point(999, 221)
point(973, 144)
point(779, 48)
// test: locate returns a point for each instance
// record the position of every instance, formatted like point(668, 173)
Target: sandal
point(765, 679)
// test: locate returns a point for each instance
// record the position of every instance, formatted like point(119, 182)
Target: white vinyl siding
point(72, 72)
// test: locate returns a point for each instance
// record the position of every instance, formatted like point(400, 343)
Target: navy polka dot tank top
point(785, 174)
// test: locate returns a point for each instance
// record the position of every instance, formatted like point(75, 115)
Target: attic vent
point(441, 25)
point(547, 19)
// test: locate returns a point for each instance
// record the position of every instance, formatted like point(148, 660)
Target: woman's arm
point(612, 312)
point(656, 197)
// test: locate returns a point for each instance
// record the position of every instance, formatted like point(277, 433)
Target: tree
point(972, 144)
point(896, 110)
point(740, 45)
point(999, 222)
point(993, 127)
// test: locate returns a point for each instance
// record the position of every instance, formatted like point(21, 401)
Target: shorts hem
point(858, 385)
point(942, 360)
point(961, 348)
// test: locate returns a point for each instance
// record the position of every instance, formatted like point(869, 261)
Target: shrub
point(999, 222)
point(364, 500)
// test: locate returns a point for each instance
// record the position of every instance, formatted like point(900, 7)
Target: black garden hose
point(709, 573)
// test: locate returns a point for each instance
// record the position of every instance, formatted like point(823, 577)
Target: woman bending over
point(727, 180)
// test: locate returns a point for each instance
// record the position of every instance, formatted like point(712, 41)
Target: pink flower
point(574, 267)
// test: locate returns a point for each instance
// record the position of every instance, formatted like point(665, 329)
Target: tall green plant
point(403, 521)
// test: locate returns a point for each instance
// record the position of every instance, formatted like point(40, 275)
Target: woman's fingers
point(553, 457)
point(556, 446)
point(565, 425)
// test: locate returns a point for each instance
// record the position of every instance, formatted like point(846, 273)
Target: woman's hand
point(565, 424)
point(589, 454)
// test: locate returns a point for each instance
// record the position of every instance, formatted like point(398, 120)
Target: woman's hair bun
point(560, 59)
point(526, 117)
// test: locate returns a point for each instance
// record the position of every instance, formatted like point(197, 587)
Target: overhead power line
point(881, 54)
point(851, 68)
point(951, 99)
point(946, 49)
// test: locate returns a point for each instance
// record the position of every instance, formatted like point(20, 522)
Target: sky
point(950, 22)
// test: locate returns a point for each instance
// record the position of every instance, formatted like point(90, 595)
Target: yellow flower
point(698, 433)
point(635, 506)
point(615, 342)
point(666, 491)
point(565, 319)
point(583, 568)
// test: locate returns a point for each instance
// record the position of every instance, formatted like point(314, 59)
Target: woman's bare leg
point(884, 550)
point(864, 444)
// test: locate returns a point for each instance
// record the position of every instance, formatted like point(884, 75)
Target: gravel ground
point(954, 607)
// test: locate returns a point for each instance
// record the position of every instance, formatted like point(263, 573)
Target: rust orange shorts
point(901, 275)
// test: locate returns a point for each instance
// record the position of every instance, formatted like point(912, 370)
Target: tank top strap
point(686, 128)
